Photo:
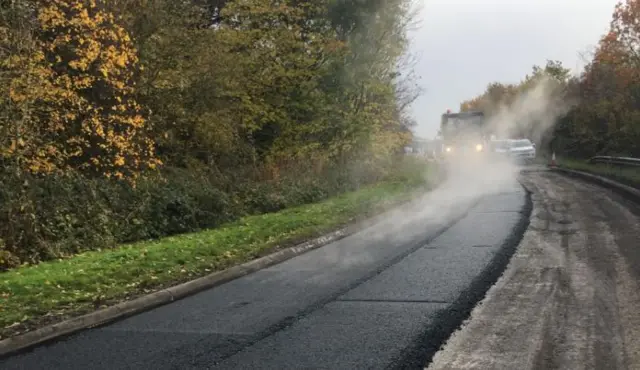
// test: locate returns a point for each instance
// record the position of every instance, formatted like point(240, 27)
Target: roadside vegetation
point(52, 290)
point(146, 142)
point(625, 175)
point(595, 112)
point(129, 120)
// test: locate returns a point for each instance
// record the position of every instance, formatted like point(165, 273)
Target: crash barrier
point(619, 161)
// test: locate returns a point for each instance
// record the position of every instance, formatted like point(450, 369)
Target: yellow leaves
point(87, 52)
point(84, 82)
point(14, 61)
point(17, 96)
point(51, 16)
point(34, 167)
point(40, 165)
point(78, 126)
point(121, 60)
point(137, 121)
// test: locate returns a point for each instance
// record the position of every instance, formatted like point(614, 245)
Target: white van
point(517, 149)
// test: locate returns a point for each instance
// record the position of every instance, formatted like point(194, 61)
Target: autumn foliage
point(77, 96)
point(605, 119)
point(208, 109)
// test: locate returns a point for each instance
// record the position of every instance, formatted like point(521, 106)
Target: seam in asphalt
point(485, 212)
point(392, 300)
point(289, 321)
point(447, 320)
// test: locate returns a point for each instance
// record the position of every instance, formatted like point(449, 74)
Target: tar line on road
point(447, 320)
point(569, 298)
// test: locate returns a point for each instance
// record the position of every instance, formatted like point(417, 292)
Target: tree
point(77, 94)
point(606, 121)
point(217, 83)
point(529, 108)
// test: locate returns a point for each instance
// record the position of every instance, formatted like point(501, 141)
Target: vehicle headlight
point(479, 147)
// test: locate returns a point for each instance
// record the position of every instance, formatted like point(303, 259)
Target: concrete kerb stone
point(625, 190)
point(149, 301)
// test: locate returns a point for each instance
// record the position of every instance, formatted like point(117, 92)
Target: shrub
point(50, 217)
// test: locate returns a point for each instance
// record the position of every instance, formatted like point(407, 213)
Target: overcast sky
point(464, 45)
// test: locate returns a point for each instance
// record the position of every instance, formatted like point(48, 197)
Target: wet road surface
point(570, 297)
point(367, 301)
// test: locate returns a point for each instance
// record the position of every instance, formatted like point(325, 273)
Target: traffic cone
point(553, 160)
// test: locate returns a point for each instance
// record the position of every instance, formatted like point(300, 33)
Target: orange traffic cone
point(553, 160)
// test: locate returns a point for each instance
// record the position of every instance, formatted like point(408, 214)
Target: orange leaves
point(625, 18)
point(618, 52)
point(609, 84)
point(623, 39)
point(610, 49)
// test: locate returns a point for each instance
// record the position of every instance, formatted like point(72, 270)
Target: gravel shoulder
point(569, 297)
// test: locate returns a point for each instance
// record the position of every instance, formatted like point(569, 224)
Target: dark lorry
point(464, 135)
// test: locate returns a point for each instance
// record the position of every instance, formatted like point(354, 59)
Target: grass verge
point(625, 175)
point(34, 296)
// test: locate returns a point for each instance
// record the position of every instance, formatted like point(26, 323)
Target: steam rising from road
point(433, 210)
point(467, 181)
point(534, 112)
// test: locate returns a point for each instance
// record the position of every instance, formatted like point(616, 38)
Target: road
point(570, 296)
point(385, 297)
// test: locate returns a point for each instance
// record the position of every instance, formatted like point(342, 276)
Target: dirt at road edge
point(569, 298)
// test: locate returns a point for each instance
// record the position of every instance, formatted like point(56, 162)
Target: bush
point(177, 203)
point(59, 216)
point(44, 218)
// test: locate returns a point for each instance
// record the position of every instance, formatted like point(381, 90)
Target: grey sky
point(464, 45)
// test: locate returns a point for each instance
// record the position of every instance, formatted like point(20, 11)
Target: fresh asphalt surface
point(383, 298)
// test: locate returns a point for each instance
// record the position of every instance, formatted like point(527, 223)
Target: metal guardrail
point(620, 161)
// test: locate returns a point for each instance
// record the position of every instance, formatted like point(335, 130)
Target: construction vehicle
point(465, 136)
